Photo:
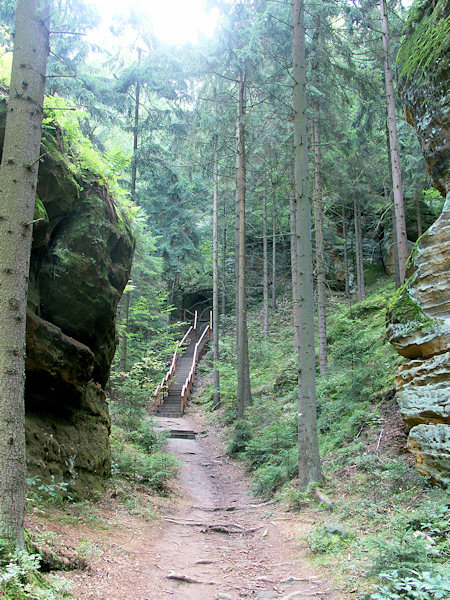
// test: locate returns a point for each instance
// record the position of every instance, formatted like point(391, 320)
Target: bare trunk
point(224, 264)
point(394, 227)
point(359, 248)
point(294, 269)
point(135, 135)
point(243, 395)
point(274, 252)
point(124, 337)
point(419, 216)
point(344, 237)
point(320, 254)
point(18, 179)
point(400, 222)
point(216, 383)
point(265, 266)
point(308, 448)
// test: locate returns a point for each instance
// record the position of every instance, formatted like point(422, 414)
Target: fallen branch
point(379, 442)
point(233, 508)
point(216, 527)
point(320, 496)
point(186, 578)
point(309, 592)
point(309, 579)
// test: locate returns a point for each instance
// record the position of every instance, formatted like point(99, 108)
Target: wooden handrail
point(190, 378)
point(195, 321)
point(162, 388)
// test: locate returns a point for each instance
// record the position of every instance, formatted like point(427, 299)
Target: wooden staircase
point(174, 390)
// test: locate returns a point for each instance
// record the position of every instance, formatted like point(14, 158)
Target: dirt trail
point(215, 542)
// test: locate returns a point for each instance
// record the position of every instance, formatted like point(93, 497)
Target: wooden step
point(183, 434)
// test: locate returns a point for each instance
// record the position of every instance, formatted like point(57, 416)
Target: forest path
point(214, 542)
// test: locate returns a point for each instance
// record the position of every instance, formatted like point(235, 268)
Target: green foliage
point(38, 491)
point(415, 585)
point(137, 456)
point(273, 474)
point(427, 44)
point(328, 538)
point(61, 114)
point(147, 437)
point(154, 470)
point(403, 553)
point(20, 578)
point(5, 66)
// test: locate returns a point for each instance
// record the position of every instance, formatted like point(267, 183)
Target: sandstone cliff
point(419, 315)
point(80, 263)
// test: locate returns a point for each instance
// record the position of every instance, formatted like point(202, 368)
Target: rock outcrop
point(80, 263)
point(419, 315)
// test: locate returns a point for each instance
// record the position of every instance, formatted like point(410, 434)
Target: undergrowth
point(386, 519)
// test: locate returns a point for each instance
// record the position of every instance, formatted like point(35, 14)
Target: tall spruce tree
point(18, 180)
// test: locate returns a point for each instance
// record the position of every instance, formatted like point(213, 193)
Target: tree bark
point(135, 135)
point(124, 340)
point(18, 180)
point(344, 237)
point(224, 264)
point(294, 268)
point(359, 248)
point(308, 448)
point(320, 253)
point(400, 222)
point(216, 383)
point(419, 216)
point(265, 266)
point(243, 395)
point(393, 221)
point(274, 253)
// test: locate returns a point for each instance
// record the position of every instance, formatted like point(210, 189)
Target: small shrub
point(241, 436)
point(153, 471)
point(414, 586)
point(272, 475)
point(147, 437)
point(329, 538)
point(403, 554)
point(39, 491)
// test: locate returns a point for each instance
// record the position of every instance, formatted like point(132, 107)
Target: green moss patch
point(427, 44)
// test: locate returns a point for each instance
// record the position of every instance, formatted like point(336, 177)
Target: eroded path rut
point(214, 543)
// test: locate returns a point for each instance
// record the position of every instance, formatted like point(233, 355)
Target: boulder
point(419, 314)
point(80, 263)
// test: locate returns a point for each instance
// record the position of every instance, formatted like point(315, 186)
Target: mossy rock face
point(84, 274)
point(418, 315)
point(80, 263)
point(424, 61)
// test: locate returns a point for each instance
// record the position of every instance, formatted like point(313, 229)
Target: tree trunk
point(308, 448)
point(400, 222)
point(274, 252)
point(243, 395)
point(359, 248)
point(216, 396)
point(320, 253)
point(265, 266)
point(393, 221)
point(135, 135)
point(419, 216)
point(124, 340)
point(224, 265)
point(344, 237)
point(18, 180)
point(294, 269)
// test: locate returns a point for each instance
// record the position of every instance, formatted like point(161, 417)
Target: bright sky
point(174, 21)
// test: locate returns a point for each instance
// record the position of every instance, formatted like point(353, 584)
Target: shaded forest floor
point(209, 530)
